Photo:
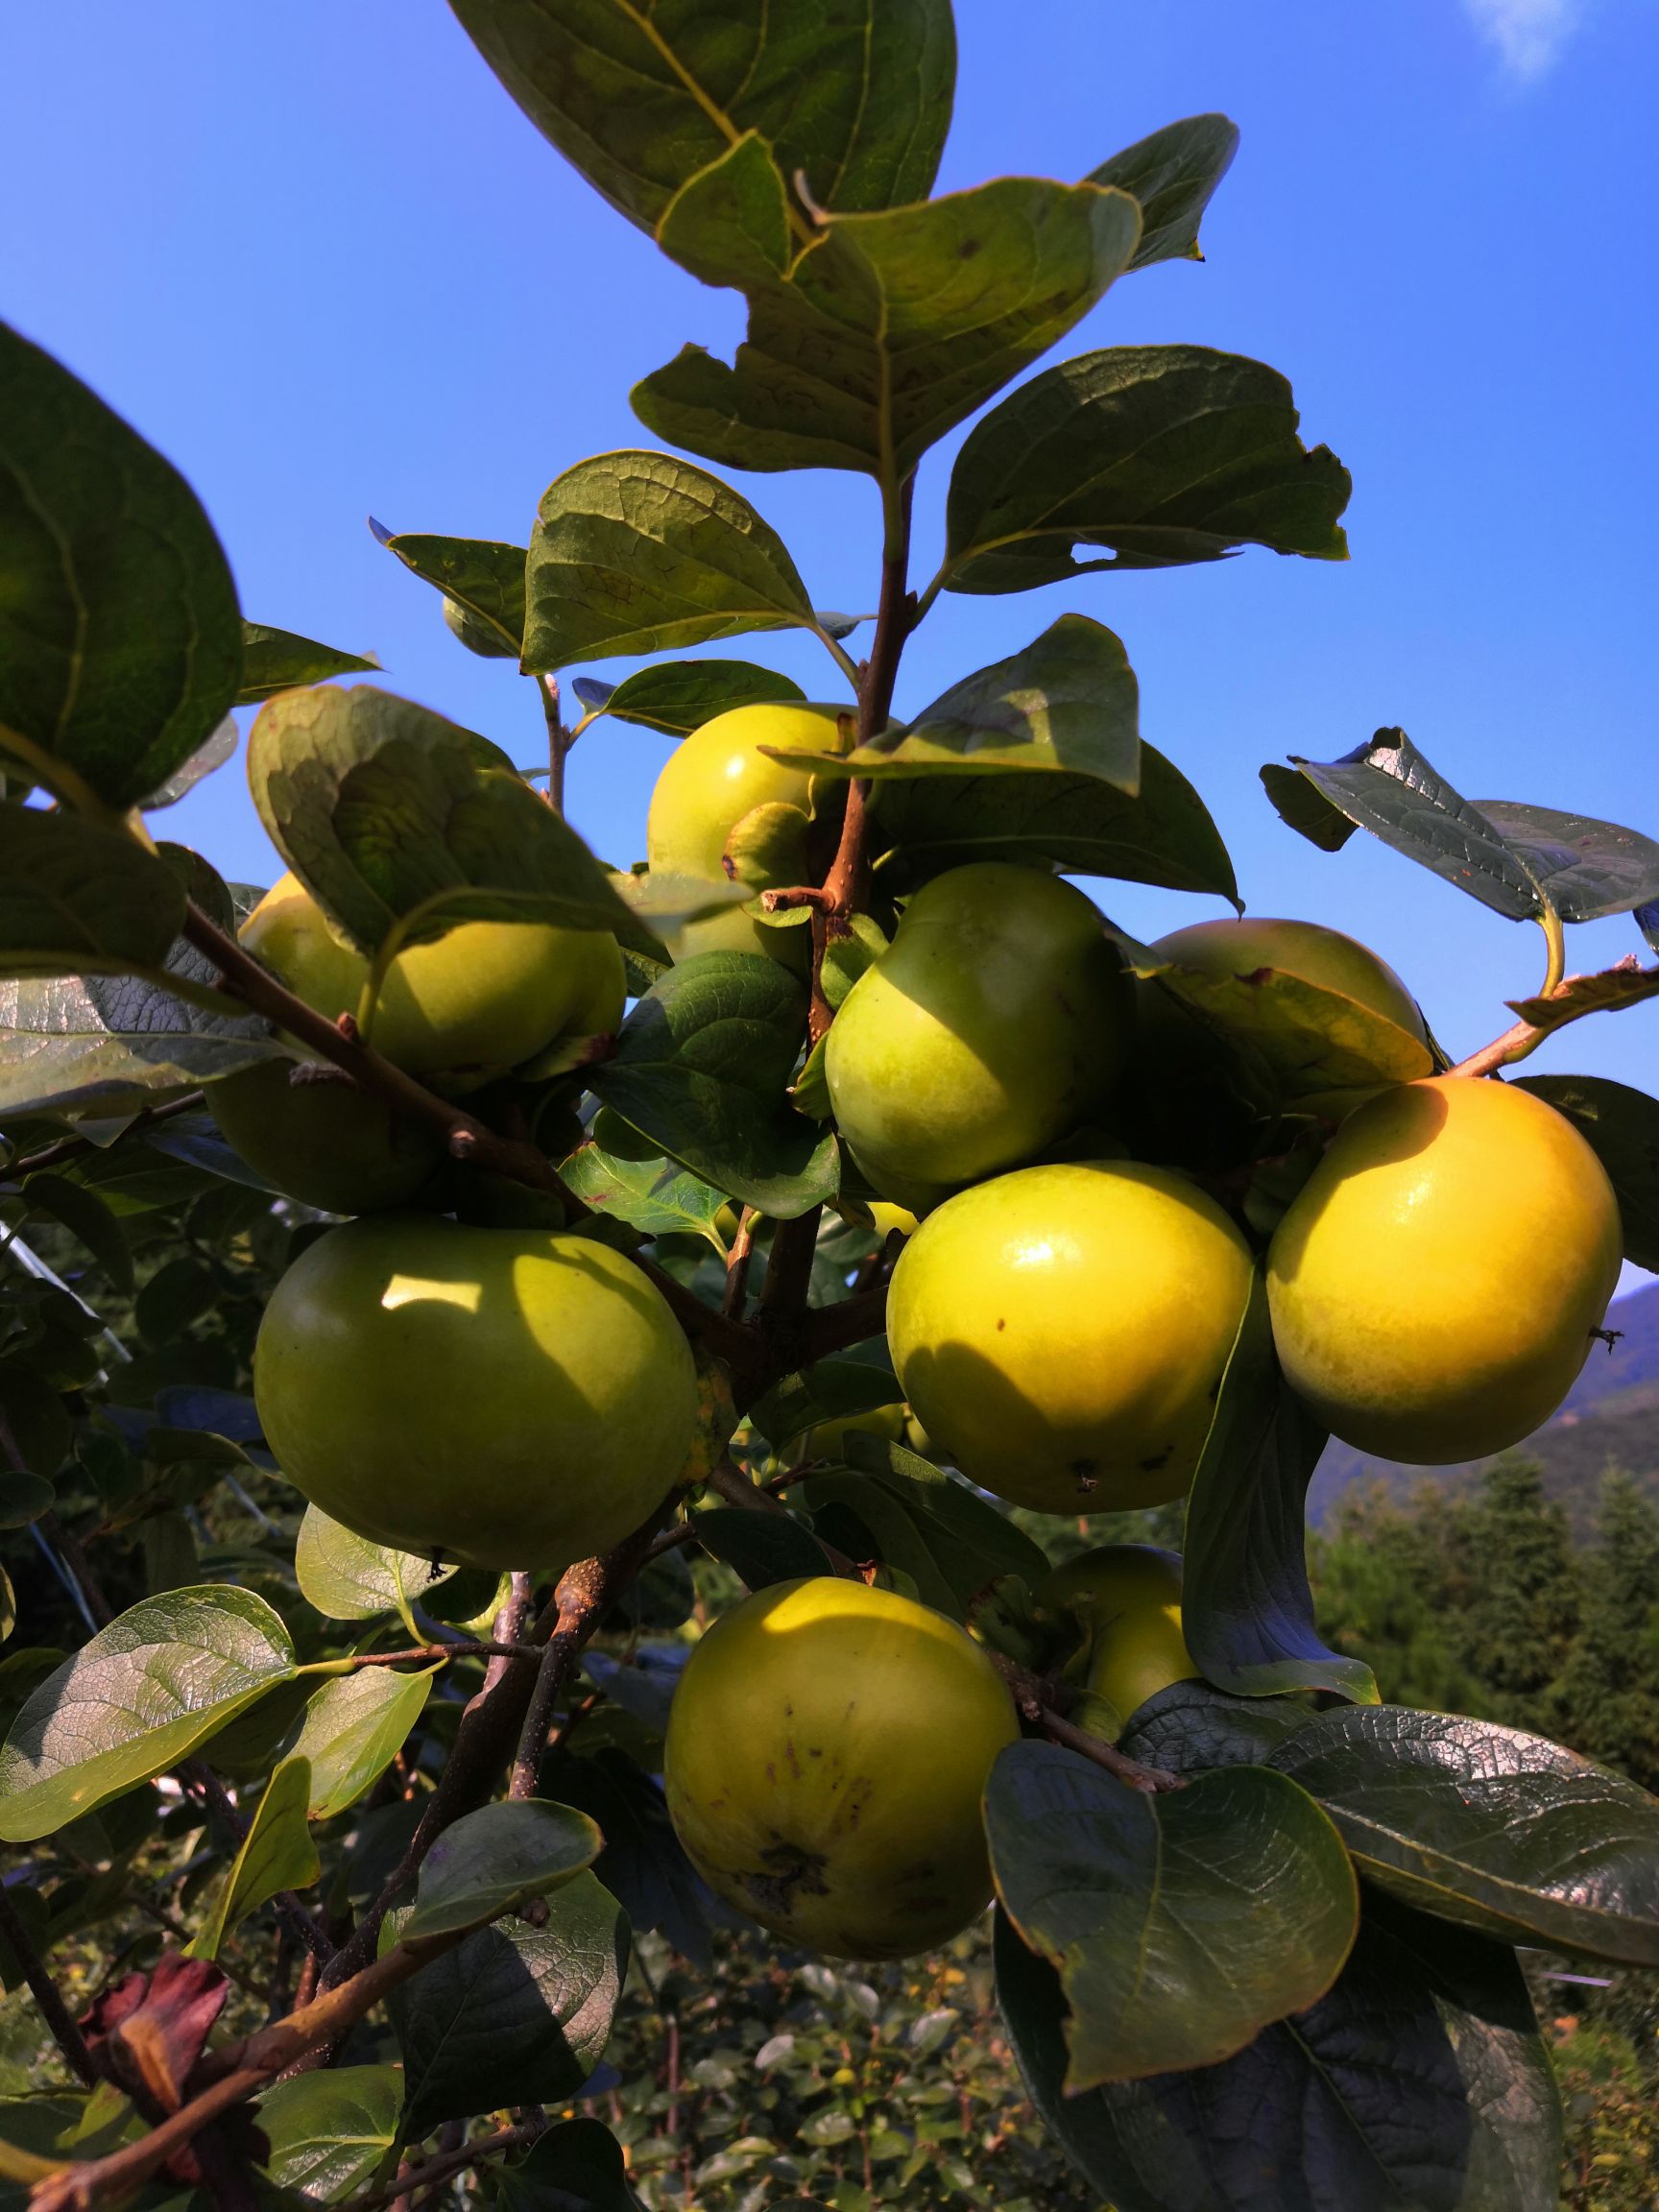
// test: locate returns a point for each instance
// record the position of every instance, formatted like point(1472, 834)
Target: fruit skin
point(326, 1143)
point(828, 1749)
point(996, 1022)
point(711, 780)
point(508, 1398)
point(1128, 1597)
point(480, 1000)
point(1061, 1331)
point(1434, 1283)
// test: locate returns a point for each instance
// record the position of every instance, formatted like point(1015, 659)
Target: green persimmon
point(324, 1142)
point(1127, 1598)
point(996, 1021)
point(1061, 1331)
point(503, 1397)
point(1435, 1283)
point(718, 777)
point(828, 1749)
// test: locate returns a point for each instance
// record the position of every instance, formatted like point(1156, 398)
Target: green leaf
point(679, 696)
point(657, 1196)
point(23, 1498)
point(1181, 1923)
point(276, 1853)
point(888, 329)
point(78, 899)
point(858, 97)
point(761, 1547)
point(660, 904)
point(87, 1218)
point(1512, 858)
point(1305, 809)
point(355, 1726)
point(394, 818)
point(215, 749)
point(120, 640)
point(329, 2131)
point(700, 1069)
point(349, 1579)
point(1159, 455)
point(1074, 824)
point(1173, 174)
point(831, 1391)
point(1189, 1726)
point(35, 1415)
point(514, 2014)
point(575, 2166)
point(1247, 1610)
point(275, 660)
point(482, 578)
point(642, 553)
point(1503, 1831)
point(501, 1856)
point(1622, 1127)
point(135, 1700)
point(1420, 2082)
point(1068, 702)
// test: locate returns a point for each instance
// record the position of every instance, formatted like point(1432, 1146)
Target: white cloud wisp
point(1528, 34)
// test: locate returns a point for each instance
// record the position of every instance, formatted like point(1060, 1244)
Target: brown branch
point(783, 1294)
point(559, 740)
point(737, 1266)
point(827, 1328)
point(446, 2163)
point(72, 1147)
point(1031, 1696)
point(1579, 995)
point(45, 1993)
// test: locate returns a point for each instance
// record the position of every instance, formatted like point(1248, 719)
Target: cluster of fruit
point(1059, 1321)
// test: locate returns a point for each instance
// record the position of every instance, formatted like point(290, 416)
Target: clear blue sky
point(316, 255)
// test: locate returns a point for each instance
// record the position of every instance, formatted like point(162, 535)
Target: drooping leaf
point(1190, 1726)
point(1503, 1831)
point(1158, 455)
point(1305, 809)
point(657, 1196)
point(275, 660)
point(700, 1069)
point(888, 329)
point(856, 95)
point(1181, 1923)
point(134, 1699)
point(499, 1857)
point(761, 1547)
point(120, 638)
point(355, 1726)
point(349, 1579)
point(78, 899)
point(1584, 868)
point(481, 577)
point(394, 818)
point(679, 696)
point(575, 2166)
point(1620, 1126)
point(1247, 1609)
point(639, 552)
point(1068, 701)
point(1419, 2082)
point(330, 2130)
point(514, 2014)
point(276, 1853)
point(1173, 174)
point(1074, 824)
point(108, 1046)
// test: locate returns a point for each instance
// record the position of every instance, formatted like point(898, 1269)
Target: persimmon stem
point(1555, 939)
point(560, 740)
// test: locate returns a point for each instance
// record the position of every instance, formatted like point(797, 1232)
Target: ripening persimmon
point(1127, 1598)
point(828, 1749)
point(1435, 1284)
point(321, 1140)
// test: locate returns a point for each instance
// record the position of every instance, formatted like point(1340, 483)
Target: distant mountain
point(1612, 1414)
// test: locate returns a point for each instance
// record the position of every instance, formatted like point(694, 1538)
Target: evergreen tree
point(1608, 1699)
point(1392, 1583)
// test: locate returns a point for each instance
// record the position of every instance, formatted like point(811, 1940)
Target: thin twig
point(559, 740)
point(446, 2163)
point(72, 1147)
point(45, 1993)
point(1031, 1696)
point(737, 1266)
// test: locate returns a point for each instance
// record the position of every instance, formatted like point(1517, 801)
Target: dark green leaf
point(135, 1699)
point(215, 749)
point(274, 661)
point(1247, 1610)
point(1583, 867)
point(1622, 1127)
point(831, 1391)
point(86, 1216)
point(480, 577)
point(1173, 174)
point(643, 1863)
point(700, 1069)
point(1189, 1726)
point(1420, 2083)
point(1068, 701)
point(1505, 1831)
point(857, 96)
point(761, 1547)
point(178, 1294)
point(657, 1196)
point(679, 696)
point(23, 1498)
point(276, 1853)
point(499, 1857)
point(574, 2167)
point(1160, 455)
point(514, 2014)
point(1074, 824)
point(349, 1579)
point(1305, 809)
point(330, 2130)
point(394, 818)
point(35, 1416)
point(355, 1726)
point(120, 640)
point(78, 899)
point(642, 553)
point(889, 329)
point(1181, 1923)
